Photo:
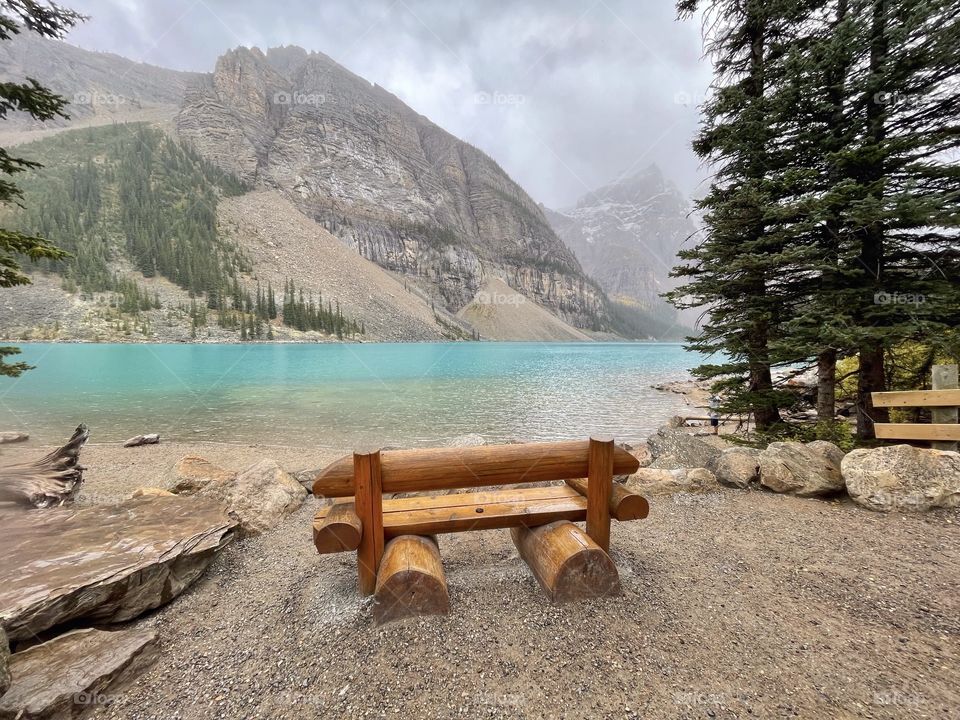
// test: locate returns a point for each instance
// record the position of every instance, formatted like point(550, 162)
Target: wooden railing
point(943, 399)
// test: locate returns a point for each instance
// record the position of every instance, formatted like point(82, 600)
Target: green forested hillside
point(129, 191)
point(129, 197)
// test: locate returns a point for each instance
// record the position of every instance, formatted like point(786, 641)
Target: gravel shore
point(735, 604)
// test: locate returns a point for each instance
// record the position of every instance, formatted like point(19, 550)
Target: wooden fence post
point(944, 378)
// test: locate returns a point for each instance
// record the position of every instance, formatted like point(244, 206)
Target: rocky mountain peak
point(383, 179)
point(640, 188)
point(626, 234)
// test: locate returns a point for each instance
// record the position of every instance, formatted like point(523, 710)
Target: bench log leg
point(411, 580)
point(566, 562)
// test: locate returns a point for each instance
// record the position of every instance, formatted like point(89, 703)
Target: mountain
point(167, 247)
point(627, 234)
point(394, 227)
point(385, 180)
point(101, 87)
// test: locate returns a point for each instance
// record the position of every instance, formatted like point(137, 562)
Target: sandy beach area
point(735, 604)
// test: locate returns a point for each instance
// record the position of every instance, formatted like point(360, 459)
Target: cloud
point(566, 95)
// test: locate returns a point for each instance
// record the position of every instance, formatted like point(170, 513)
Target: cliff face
point(383, 179)
point(627, 234)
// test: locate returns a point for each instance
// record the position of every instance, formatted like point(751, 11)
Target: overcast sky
point(566, 95)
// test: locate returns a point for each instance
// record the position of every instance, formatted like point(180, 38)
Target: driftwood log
point(138, 440)
point(51, 480)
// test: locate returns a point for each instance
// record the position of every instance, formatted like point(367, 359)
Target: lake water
point(339, 396)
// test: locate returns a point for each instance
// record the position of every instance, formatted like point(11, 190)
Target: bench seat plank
point(482, 511)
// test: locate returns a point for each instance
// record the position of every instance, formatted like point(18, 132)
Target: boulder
point(4, 662)
point(151, 492)
point(13, 437)
point(737, 466)
point(104, 563)
point(672, 448)
point(306, 478)
point(830, 452)
point(193, 473)
point(660, 481)
point(259, 497)
point(642, 454)
point(70, 674)
point(792, 467)
point(902, 477)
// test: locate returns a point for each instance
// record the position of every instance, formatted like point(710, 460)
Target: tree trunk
point(872, 377)
point(826, 385)
point(765, 410)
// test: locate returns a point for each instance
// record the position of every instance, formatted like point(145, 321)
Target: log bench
point(398, 557)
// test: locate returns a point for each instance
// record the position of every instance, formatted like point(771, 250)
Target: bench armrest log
point(451, 468)
point(337, 529)
point(624, 505)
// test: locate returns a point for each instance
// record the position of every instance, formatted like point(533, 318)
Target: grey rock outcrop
point(805, 470)
point(13, 437)
point(382, 178)
point(902, 478)
point(659, 481)
point(737, 466)
point(672, 448)
point(68, 675)
point(104, 563)
point(192, 473)
point(259, 497)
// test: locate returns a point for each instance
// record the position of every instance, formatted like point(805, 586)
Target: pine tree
point(734, 270)
point(835, 194)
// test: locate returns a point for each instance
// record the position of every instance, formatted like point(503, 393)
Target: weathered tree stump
point(566, 562)
point(337, 528)
point(410, 581)
point(51, 480)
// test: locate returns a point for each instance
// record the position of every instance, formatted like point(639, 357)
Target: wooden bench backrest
point(449, 468)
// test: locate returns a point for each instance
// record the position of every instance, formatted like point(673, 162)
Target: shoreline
point(733, 604)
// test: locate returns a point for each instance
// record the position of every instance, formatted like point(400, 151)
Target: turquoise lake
point(341, 395)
